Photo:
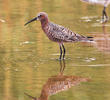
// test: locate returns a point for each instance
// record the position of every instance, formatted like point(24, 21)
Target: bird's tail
point(86, 39)
point(83, 38)
point(90, 38)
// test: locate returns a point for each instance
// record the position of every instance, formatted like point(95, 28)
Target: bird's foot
point(61, 59)
point(104, 20)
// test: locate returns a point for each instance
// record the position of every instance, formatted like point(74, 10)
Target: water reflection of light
point(58, 83)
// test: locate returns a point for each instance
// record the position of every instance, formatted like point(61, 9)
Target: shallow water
point(28, 60)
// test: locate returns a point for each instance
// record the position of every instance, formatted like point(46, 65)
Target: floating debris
point(3, 21)
point(89, 59)
point(88, 20)
point(26, 42)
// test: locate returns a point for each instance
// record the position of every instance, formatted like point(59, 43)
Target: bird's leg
point(60, 51)
point(64, 51)
point(104, 14)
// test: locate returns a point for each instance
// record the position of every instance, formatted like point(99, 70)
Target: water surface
point(28, 59)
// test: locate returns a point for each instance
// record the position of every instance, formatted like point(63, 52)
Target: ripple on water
point(89, 18)
point(100, 24)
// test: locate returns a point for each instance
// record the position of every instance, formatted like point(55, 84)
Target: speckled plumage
point(57, 33)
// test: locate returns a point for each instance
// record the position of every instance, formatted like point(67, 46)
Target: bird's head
point(42, 16)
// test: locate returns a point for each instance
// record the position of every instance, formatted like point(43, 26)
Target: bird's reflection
point(58, 83)
point(102, 40)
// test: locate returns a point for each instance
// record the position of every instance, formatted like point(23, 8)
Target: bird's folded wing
point(66, 35)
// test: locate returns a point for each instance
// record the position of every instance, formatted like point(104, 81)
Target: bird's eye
point(40, 16)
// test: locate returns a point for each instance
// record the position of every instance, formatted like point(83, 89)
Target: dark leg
point(64, 51)
point(60, 52)
point(104, 14)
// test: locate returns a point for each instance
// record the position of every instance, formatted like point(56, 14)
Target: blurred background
point(28, 58)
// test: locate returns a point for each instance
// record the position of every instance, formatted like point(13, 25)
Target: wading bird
point(105, 3)
point(58, 33)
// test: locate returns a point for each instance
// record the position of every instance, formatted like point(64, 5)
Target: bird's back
point(59, 33)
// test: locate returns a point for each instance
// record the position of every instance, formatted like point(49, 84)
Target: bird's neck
point(44, 22)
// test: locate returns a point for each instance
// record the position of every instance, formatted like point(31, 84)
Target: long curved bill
point(31, 21)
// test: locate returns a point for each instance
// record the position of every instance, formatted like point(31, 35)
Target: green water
point(28, 59)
